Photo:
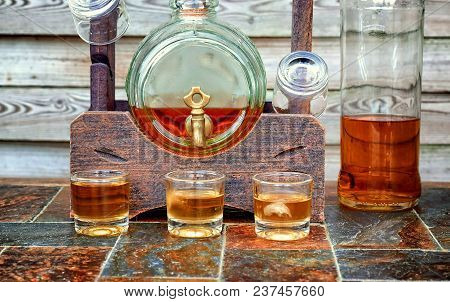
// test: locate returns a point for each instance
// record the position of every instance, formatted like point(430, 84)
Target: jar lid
point(88, 9)
point(302, 74)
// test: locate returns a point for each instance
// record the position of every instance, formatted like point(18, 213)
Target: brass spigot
point(198, 124)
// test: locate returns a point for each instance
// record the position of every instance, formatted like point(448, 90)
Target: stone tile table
point(38, 243)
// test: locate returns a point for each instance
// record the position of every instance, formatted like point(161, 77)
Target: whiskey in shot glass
point(100, 202)
point(282, 205)
point(195, 201)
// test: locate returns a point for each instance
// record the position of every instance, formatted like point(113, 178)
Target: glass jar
point(196, 87)
point(301, 85)
point(100, 22)
point(381, 61)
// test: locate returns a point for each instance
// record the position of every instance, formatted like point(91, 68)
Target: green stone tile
point(373, 230)
point(47, 234)
point(393, 265)
point(434, 209)
point(148, 251)
point(59, 209)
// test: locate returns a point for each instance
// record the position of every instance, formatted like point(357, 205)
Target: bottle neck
point(197, 9)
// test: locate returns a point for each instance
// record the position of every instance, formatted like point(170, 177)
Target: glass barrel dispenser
point(381, 62)
point(196, 87)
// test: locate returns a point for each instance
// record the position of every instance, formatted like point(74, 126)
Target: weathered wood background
point(44, 75)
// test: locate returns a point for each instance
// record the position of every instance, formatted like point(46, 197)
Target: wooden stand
point(108, 138)
point(111, 140)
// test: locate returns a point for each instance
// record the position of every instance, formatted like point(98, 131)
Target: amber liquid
point(100, 202)
point(379, 162)
point(195, 206)
point(282, 208)
point(173, 120)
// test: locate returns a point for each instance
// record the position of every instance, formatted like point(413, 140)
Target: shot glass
point(100, 202)
point(195, 201)
point(282, 204)
point(100, 22)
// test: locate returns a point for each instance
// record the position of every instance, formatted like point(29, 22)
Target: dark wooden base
point(111, 140)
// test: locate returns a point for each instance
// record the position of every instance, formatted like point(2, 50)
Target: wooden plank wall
point(44, 75)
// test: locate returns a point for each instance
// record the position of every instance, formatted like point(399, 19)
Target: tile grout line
point(47, 205)
point(429, 231)
point(222, 253)
point(253, 223)
point(336, 263)
point(3, 249)
point(161, 278)
point(45, 185)
point(22, 222)
point(377, 280)
point(102, 267)
point(390, 249)
point(389, 280)
point(55, 246)
point(148, 222)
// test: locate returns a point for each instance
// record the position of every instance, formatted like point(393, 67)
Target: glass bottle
point(381, 62)
point(196, 86)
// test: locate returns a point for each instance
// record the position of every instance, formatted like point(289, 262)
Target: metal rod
point(103, 63)
point(302, 21)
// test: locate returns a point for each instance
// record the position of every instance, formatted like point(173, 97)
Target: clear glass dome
point(196, 87)
point(90, 15)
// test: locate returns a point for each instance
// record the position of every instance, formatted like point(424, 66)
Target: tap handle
point(198, 124)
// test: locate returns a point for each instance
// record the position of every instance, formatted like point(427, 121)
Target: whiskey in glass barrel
point(195, 202)
point(100, 202)
point(214, 64)
point(282, 205)
point(172, 122)
point(380, 162)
